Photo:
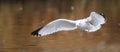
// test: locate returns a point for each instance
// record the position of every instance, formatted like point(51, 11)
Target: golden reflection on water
point(19, 18)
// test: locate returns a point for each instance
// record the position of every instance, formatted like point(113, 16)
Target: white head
point(97, 14)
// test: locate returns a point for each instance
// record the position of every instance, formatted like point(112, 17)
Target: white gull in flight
point(89, 24)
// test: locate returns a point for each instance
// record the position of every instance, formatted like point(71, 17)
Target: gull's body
point(89, 24)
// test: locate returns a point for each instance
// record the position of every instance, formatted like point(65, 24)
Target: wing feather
point(57, 25)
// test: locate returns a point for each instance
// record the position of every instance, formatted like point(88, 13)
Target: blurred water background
point(18, 18)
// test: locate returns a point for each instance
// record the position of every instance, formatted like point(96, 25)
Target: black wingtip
point(35, 33)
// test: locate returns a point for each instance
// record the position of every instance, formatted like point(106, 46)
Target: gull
point(89, 24)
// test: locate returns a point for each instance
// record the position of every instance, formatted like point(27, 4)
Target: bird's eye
point(101, 14)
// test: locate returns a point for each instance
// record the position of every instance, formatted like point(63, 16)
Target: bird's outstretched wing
point(54, 26)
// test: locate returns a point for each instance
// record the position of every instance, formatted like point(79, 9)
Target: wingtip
point(35, 33)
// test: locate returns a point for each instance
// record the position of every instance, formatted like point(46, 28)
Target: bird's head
point(103, 15)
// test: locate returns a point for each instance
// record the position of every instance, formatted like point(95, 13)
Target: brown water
point(19, 18)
